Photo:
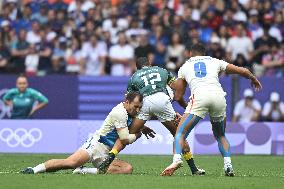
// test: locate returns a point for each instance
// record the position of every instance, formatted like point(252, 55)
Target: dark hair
point(198, 48)
point(132, 95)
point(142, 61)
point(22, 75)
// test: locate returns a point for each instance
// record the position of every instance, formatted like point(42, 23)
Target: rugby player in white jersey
point(97, 147)
point(201, 73)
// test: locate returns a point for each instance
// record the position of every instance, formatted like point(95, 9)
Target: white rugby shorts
point(159, 105)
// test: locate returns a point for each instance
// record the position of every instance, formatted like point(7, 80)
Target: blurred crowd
point(98, 37)
point(249, 109)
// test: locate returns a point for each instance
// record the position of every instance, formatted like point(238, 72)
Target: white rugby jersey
point(117, 118)
point(201, 73)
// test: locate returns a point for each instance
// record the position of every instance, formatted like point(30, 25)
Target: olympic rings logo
point(20, 137)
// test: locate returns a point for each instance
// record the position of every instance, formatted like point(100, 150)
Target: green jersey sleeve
point(9, 94)
point(39, 96)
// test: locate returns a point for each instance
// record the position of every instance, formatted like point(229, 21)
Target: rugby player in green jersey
point(152, 83)
point(21, 99)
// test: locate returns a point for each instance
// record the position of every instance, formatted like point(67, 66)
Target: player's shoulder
point(186, 64)
point(13, 91)
point(159, 69)
point(118, 112)
point(32, 91)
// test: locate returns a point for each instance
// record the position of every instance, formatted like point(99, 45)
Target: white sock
point(227, 160)
point(85, 170)
point(177, 157)
point(39, 168)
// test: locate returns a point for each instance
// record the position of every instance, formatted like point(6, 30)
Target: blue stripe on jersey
point(129, 121)
point(112, 136)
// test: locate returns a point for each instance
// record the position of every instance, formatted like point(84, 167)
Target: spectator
point(175, 53)
point(191, 37)
point(73, 57)
point(240, 44)
point(214, 19)
point(57, 66)
point(94, 57)
point(4, 57)
point(44, 49)
point(158, 35)
point(41, 16)
point(262, 46)
point(13, 9)
point(144, 49)
point(121, 57)
point(114, 24)
point(32, 61)
point(75, 12)
point(247, 109)
point(58, 54)
point(160, 55)
point(224, 36)
point(273, 62)
point(253, 26)
point(215, 50)
point(273, 110)
point(205, 32)
point(241, 61)
point(275, 29)
point(19, 51)
point(24, 22)
point(33, 36)
point(5, 32)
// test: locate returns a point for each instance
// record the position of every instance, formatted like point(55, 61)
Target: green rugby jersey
point(23, 102)
point(150, 80)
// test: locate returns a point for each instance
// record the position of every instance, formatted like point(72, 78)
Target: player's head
point(22, 83)
point(197, 50)
point(141, 62)
point(133, 103)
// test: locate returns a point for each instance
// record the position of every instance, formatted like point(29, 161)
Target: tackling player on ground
point(96, 148)
point(152, 82)
point(201, 73)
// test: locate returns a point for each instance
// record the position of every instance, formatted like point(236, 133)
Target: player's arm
point(8, 97)
point(232, 69)
point(125, 137)
point(120, 123)
point(42, 101)
point(179, 85)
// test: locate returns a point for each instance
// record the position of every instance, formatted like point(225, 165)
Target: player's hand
point(256, 84)
point(148, 132)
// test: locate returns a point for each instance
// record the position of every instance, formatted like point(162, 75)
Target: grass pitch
point(265, 172)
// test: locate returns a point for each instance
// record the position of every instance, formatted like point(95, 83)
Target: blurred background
point(80, 53)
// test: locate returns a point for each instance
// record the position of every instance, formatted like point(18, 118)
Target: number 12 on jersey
point(200, 69)
point(152, 78)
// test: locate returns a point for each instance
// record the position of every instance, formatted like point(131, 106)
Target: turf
point(251, 172)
